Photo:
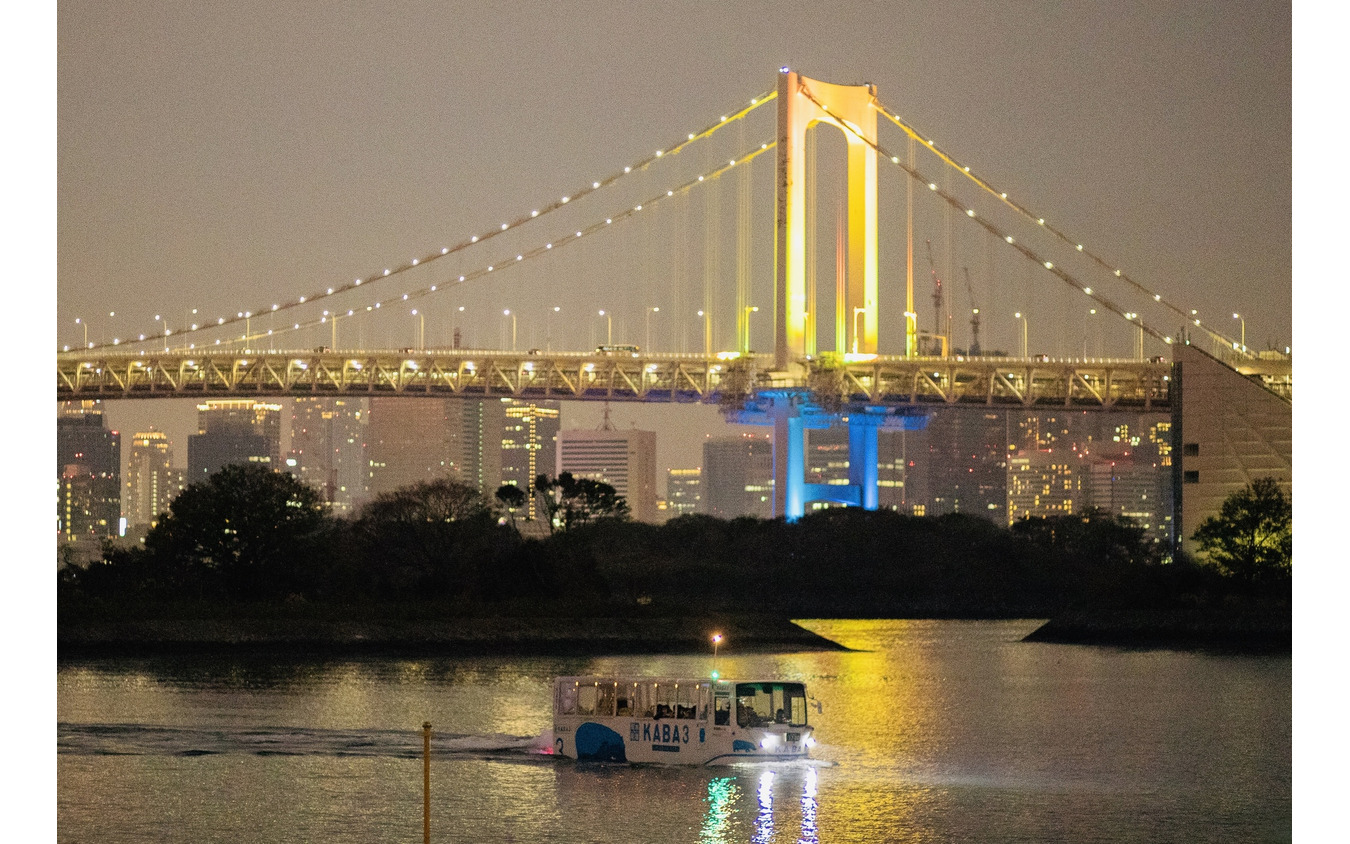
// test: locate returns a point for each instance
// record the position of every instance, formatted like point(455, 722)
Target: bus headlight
point(769, 741)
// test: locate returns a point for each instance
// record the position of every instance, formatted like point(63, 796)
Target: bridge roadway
point(624, 376)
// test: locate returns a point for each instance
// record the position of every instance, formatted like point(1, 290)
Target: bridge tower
point(791, 411)
point(802, 103)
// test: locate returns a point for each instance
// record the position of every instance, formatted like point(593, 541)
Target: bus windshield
point(762, 704)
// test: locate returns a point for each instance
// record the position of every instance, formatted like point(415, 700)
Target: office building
point(234, 431)
point(328, 449)
point(966, 466)
point(152, 482)
point(529, 445)
point(1044, 483)
point(684, 492)
point(738, 477)
point(88, 472)
point(626, 460)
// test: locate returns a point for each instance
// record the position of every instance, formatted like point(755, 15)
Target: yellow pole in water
point(426, 782)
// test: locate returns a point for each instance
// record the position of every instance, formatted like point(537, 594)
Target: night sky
point(223, 156)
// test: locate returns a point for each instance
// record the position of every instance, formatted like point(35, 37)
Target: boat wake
point(153, 740)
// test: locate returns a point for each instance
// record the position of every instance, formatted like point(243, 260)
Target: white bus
point(679, 721)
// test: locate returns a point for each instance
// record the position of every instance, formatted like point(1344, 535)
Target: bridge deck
point(982, 381)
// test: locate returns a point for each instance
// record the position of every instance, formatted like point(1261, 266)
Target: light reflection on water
point(930, 731)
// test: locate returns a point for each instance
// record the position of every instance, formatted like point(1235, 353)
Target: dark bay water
point(933, 731)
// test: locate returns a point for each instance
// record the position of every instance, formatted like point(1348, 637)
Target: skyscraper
point(1043, 483)
point(626, 460)
point(738, 477)
point(529, 444)
point(234, 431)
point(88, 472)
point(684, 491)
point(966, 464)
point(328, 449)
point(152, 482)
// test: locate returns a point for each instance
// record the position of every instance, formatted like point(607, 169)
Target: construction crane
point(974, 316)
point(937, 291)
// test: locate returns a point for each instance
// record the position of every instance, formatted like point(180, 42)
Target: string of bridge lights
point(245, 316)
point(1002, 196)
point(520, 257)
point(1106, 303)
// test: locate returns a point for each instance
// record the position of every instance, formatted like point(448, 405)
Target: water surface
point(931, 731)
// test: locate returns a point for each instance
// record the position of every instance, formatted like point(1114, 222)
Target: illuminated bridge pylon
point(803, 103)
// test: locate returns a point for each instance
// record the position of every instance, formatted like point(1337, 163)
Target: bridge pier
point(792, 412)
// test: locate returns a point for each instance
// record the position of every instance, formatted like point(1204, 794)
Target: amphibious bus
point(679, 721)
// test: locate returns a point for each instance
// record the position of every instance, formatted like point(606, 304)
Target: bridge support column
point(862, 457)
point(789, 454)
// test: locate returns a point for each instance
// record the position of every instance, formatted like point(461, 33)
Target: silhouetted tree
point(243, 525)
point(1252, 538)
point(440, 500)
point(426, 538)
point(512, 498)
point(569, 501)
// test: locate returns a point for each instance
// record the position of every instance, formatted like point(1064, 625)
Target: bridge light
point(932, 186)
point(461, 278)
point(597, 184)
point(783, 69)
point(659, 153)
point(1004, 195)
point(444, 250)
point(1087, 290)
point(895, 159)
point(473, 239)
point(566, 199)
point(1009, 238)
point(534, 213)
point(1157, 297)
point(724, 118)
point(970, 212)
point(630, 169)
point(700, 178)
point(670, 193)
point(1041, 221)
point(546, 246)
point(520, 257)
point(505, 226)
point(1080, 247)
point(691, 136)
point(414, 263)
point(1049, 266)
point(609, 220)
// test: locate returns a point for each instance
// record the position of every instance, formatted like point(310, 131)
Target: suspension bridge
point(619, 248)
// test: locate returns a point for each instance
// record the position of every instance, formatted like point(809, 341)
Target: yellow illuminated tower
point(802, 103)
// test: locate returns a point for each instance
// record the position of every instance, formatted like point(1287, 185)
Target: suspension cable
point(992, 229)
point(526, 255)
point(510, 225)
point(1001, 196)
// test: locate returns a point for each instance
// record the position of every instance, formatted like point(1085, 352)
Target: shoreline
point(1258, 632)
point(451, 637)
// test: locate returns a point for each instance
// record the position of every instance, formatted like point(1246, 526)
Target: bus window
point(722, 708)
point(586, 700)
point(604, 702)
point(568, 704)
point(684, 701)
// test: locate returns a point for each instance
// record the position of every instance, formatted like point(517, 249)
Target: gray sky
point(224, 156)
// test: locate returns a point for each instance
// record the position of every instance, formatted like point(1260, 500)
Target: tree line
point(247, 535)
